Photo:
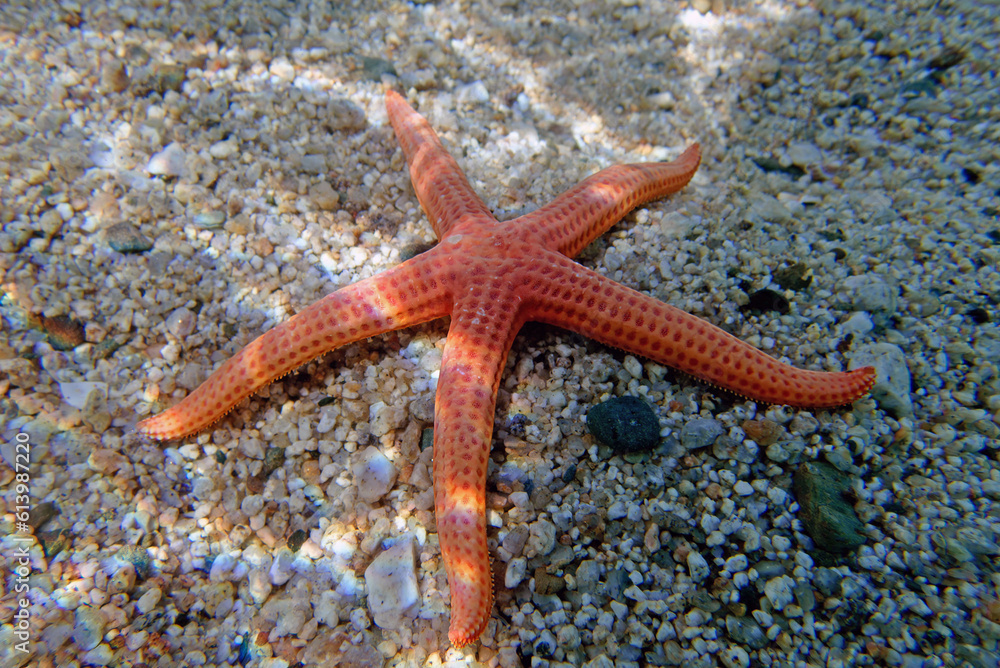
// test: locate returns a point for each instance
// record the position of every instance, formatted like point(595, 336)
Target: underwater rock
point(125, 238)
point(625, 424)
point(872, 294)
point(392, 585)
point(384, 418)
point(893, 382)
point(181, 323)
point(88, 629)
point(171, 161)
point(746, 631)
point(828, 518)
point(138, 557)
point(63, 332)
point(700, 433)
point(374, 474)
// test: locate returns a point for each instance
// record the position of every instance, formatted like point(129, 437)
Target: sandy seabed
point(176, 178)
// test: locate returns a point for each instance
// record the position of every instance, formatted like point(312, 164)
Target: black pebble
point(979, 315)
point(766, 300)
point(296, 540)
point(625, 424)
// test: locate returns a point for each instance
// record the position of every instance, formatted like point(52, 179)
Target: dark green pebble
point(138, 557)
point(296, 540)
point(625, 424)
point(273, 459)
point(125, 238)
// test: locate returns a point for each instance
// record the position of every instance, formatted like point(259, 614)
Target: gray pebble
point(563, 519)
point(281, 568)
point(517, 568)
point(768, 208)
point(840, 457)
point(697, 566)
point(872, 294)
point(209, 220)
point(745, 631)
point(616, 584)
point(804, 154)
point(515, 539)
point(892, 384)
point(769, 569)
point(547, 603)
point(545, 646)
point(374, 474)
point(313, 164)
point(181, 323)
point(342, 114)
point(125, 238)
point(560, 556)
point(88, 629)
point(700, 433)
point(617, 510)
point(978, 657)
point(102, 655)
point(588, 574)
point(859, 324)
point(805, 596)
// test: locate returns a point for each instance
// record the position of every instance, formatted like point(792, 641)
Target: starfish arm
point(405, 295)
point(581, 300)
point(571, 221)
point(482, 328)
point(439, 182)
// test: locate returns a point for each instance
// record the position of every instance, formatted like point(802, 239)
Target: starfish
point(491, 277)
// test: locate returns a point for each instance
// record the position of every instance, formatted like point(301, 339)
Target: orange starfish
point(492, 277)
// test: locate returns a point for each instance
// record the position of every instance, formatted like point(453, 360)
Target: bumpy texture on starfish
point(492, 277)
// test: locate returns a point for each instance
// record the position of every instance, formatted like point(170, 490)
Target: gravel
point(178, 178)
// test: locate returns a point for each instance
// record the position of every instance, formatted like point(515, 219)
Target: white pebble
point(374, 475)
point(517, 568)
point(99, 656)
point(259, 585)
point(222, 567)
point(392, 585)
point(171, 161)
point(617, 510)
point(779, 591)
point(281, 569)
point(697, 566)
point(736, 563)
point(633, 366)
point(88, 630)
point(148, 600)
point(76, 394)
point(384, 418)
point(781, 543)
point(519, 499)
point(282, 69)
point(181, 323)
point(804, 154)
point(223, 149)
